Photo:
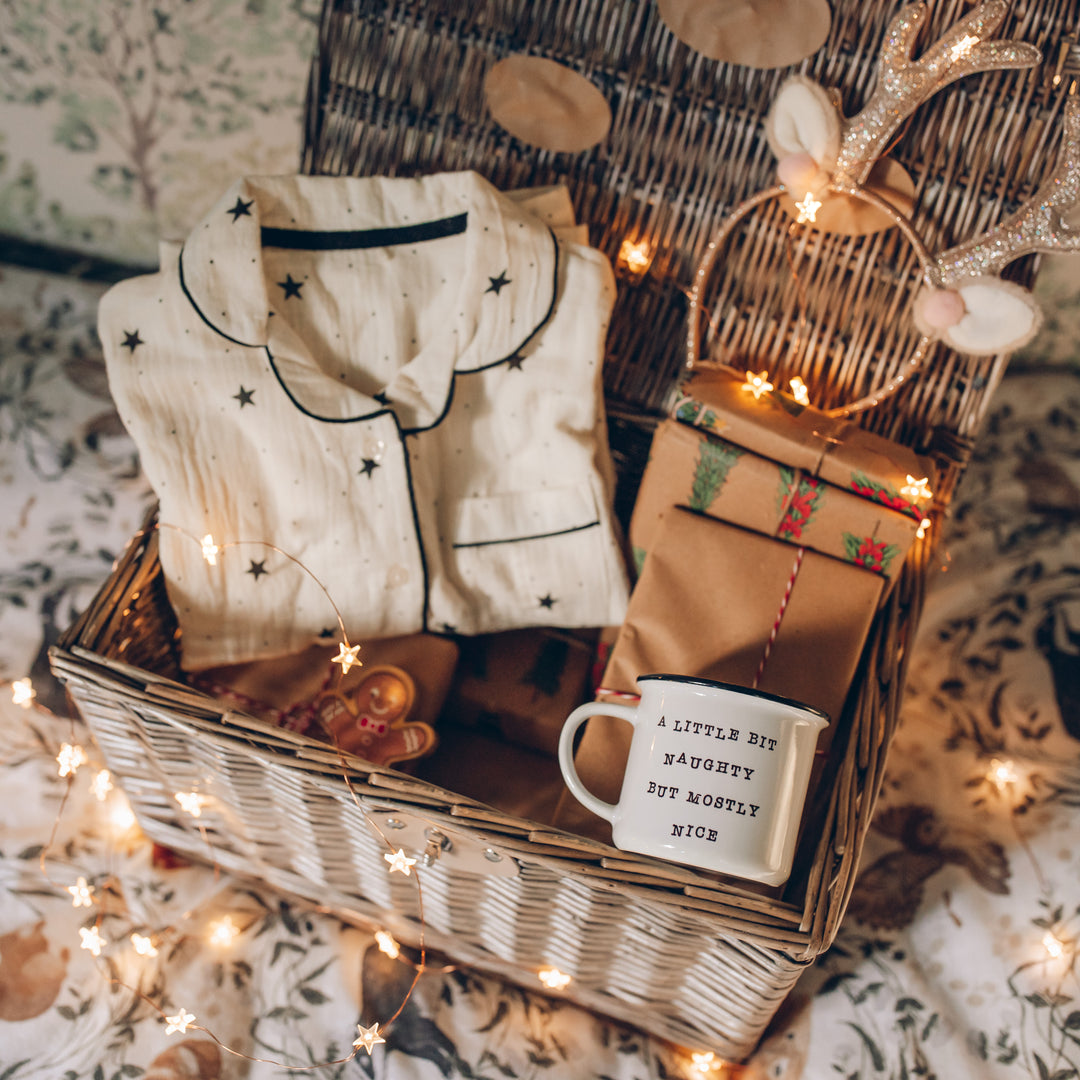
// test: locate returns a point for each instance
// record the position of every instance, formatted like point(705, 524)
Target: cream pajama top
point(381, 397)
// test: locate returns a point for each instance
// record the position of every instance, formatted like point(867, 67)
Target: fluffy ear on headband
point(965, 304)
point(998, 316)
point(806, 119)
point(980, 317)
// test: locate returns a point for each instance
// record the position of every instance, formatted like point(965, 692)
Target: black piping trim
point(534, 536)
point(536, 329)
point(199, 311)
point(408, 473)
point(416, 524)
point(380, 411)
point(359, 239)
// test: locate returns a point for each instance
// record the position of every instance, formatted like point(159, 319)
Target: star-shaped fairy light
point(101, 785)
point(144, 946)
point(705, 1062)
point(191, 802)
point(224, 931)
point(210, 549)
point(1002, 774)
point(70, 758)
point(368, 1037)
point(757, 384)
point(387, 944)
point(92, 940)
point(179, 1023)
point(400, 862)
point(916, 489)
point(799, 391)
point(23, 693)
point(82, 895)
point(1055, 948)
point(808, 208)
point(347, 657)
point(553, 978)
point(635, 258)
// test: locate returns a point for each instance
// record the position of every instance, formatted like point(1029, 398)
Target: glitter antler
point(1038, 224)
point(971, 309)
point(904, 84)
point(805, 120)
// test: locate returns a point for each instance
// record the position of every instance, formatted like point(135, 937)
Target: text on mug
point(709, 765)
point(718, 731)
point(722, 803)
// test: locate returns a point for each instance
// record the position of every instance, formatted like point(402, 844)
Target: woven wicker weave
point(396, 88)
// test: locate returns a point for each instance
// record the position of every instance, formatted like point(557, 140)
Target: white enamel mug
point(716, 777)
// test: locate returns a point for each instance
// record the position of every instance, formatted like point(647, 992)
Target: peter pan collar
point(505, 276)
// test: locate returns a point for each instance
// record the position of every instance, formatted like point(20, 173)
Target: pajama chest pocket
point(536, 558)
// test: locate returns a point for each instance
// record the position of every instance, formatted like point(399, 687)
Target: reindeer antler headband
point(963, 303)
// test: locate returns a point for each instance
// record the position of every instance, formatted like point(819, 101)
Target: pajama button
point(396, 575)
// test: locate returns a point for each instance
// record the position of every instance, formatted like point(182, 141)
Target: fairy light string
point(147, 942)
point(72, 757)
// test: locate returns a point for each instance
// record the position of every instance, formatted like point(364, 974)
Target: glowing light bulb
point(179, 1023)
point(121, 815)
point(635, 258)
point(210, 549)
point(807, 208)
point(1002, 773)
point(144, 946)
point(924, 525)
point(191, 802)
point(705, 1062)
point(368, 1037)
point(70, 759)
point(23, 692)
point(553, 978)
point(92, 940)
point(916, 490)
point(963, 47)
point(82, 895)
point(400, 862)
point(1055, 949)
point(101, 785)
point(347, 657)
point(387, 944)
point(757, 384)
point(224, 931)
point(799, 391)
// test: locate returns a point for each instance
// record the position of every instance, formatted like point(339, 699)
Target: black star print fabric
point(240, 209)
point(292, 288)
point(389, 388)
point(498, 283)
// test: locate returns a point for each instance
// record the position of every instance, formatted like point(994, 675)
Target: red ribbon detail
point(779, 617)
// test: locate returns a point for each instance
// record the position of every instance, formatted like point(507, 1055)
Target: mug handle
point(582, 713)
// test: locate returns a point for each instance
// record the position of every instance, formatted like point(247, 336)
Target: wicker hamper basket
point(397, 87)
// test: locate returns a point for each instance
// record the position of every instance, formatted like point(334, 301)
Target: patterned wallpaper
point(121, 121)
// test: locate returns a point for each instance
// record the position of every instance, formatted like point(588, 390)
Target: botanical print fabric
point(958, 954)
point(121, 121)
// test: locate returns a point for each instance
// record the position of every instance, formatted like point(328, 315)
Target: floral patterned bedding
point(958, 957)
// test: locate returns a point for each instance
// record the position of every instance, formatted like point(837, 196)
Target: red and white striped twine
point(779, 617)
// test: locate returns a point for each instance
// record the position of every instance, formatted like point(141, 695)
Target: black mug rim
point(696, 680)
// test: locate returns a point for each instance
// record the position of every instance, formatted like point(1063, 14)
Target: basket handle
point(716, 245)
